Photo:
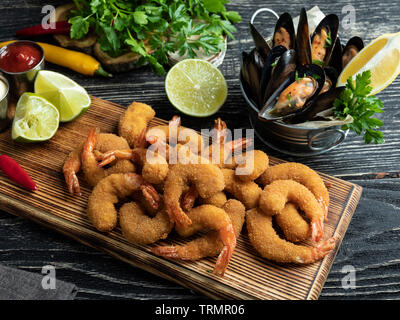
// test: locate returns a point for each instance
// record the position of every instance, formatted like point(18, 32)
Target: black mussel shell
point(285, 21)
point(285, 66)
point(250, 76)
point(303, 43)
point(331, 76)
point(357, 44)
point(336, 56)
point(323, 102)
point(271, 60)
point(303, 71)
point(331, 24)
point(261, 44)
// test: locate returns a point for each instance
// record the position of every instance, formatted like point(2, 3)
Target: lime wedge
point(69, 97)
point(196, 87)
point(35, 120)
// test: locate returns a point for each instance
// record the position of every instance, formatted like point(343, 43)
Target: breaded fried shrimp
point(103, 143)
point(269, 245)
point(254, 164)
point(101, 205)
point(246, 192)
point(292, 224)
point(137, 227)
point(134, 120)
point(227, 223)
point(207, 178)
point(276, 195)
point(302, 174)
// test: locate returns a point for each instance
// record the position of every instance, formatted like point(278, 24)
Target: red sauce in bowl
point(20, 57)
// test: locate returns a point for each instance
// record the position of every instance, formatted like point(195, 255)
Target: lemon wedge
point(382, 57)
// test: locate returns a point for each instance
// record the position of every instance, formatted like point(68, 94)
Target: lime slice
point(382, 57)
point(196, 87)
point(35, 120)
point(69, 97)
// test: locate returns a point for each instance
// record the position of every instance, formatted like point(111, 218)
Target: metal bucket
point(293, 140)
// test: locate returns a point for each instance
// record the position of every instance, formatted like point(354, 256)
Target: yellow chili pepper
point(74, 60)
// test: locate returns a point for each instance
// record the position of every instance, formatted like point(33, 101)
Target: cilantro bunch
point(154, 28)
point(356, 102)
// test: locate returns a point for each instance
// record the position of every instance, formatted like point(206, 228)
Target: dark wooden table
point(371, 244)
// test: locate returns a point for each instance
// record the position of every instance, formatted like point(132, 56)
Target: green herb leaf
point(79, 27)
point(354, 101)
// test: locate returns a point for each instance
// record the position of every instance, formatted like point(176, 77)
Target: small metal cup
point(4, 106)
point(17, 83)
point(21, 82)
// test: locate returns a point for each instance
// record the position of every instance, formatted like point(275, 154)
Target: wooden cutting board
point(248, 276)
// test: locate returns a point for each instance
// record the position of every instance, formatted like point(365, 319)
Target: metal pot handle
point(312, 137)
point(263, 10)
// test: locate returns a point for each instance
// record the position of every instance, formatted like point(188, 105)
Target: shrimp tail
point(151, 195)
point(322, 249)
point(228, 238)
point(72, 182)
point(189, 198)
point(177, 215)
point(317, 229)
point(171, 252)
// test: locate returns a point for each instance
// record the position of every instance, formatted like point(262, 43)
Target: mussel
point(295, 95)
point(331, 76)
point(353, 46)
point(261, 44)
point(303, 43)
point(251, 75)
point(272, 60)
point(284, 34)
point(323, 39)
point(284, 67)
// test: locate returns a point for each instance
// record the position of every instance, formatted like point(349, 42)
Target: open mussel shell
point(313, 71)
point(261, 44)
point(329, 24)
point(285, 66)
point(284, 33)
point(323, 102)
point(303, 42)
point(331, 76)
point(351, 49)
point(269, 64)
point(336, 56)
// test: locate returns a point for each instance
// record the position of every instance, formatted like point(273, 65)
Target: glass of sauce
point(5, 120)
point(20, 61)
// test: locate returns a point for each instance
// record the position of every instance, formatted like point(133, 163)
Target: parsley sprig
point(154, 28)
point(356, 102)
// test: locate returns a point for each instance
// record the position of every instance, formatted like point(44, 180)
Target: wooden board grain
point(248, 275)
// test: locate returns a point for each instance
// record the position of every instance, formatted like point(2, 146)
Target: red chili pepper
point(61, 27)
point(14, 171)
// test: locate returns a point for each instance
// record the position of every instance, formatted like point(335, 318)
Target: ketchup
point(19, 57)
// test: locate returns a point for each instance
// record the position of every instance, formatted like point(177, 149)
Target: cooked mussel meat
point(284, 34)
point(323, 39)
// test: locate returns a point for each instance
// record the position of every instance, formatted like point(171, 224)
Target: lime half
point(35, 120)
point(69, 97)
point(196, 87)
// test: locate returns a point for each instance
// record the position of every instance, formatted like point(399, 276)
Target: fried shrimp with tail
point(226, 224)
point(134, 120)
point(154, 167)
point(89, 158)
point(207, 178)
point(138, 227)
point(101, 205)
point(269, 245)
point(104, 142)
point(276, 195)
point(302, 174)
point(253, 165)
